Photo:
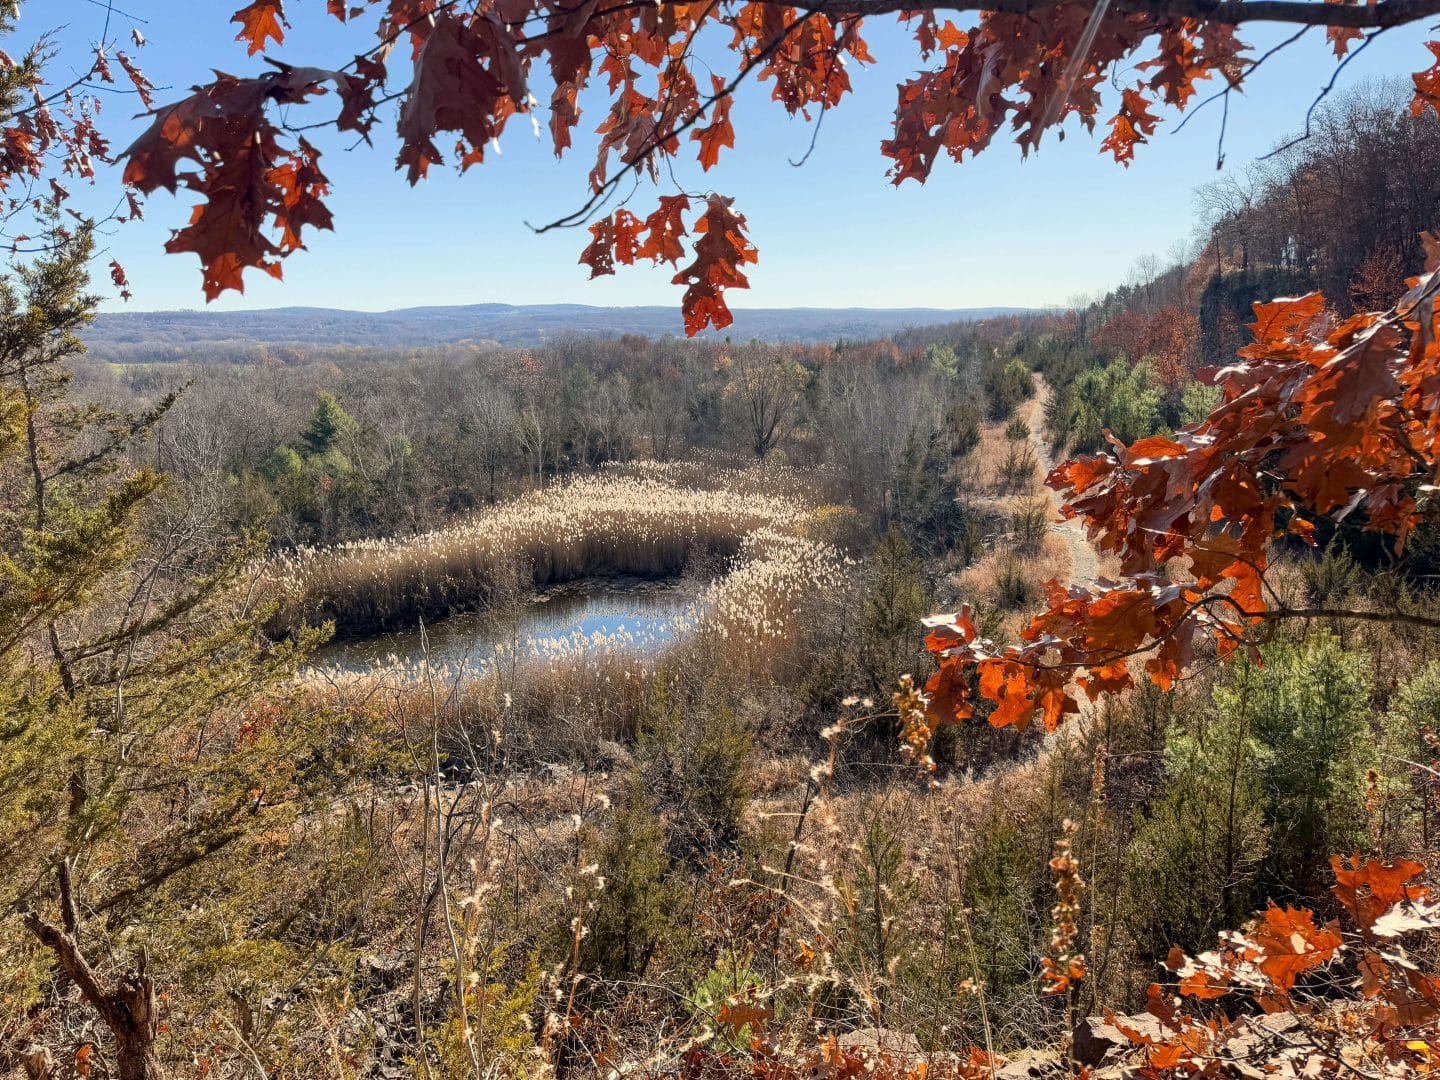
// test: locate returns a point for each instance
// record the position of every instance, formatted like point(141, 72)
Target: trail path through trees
point(1084, 566)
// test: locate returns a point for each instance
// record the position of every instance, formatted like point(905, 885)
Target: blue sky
point(833, 233)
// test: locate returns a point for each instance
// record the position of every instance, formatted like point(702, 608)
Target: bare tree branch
point(1381, 15)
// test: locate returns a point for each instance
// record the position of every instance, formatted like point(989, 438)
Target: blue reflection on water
point(632, 613)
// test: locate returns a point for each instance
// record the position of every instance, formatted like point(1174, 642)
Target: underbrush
point(702, 909)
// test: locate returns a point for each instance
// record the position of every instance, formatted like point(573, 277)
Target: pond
point(625, 612)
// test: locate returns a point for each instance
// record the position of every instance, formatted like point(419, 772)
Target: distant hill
point(170, 334)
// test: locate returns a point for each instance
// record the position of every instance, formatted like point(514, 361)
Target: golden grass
point(562, 697)
point(984, 580)
point(1008, 577)
point(991, 454)
point(650, 522)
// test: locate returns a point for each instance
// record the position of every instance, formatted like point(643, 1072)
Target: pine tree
point(140, 749)
point(1194, 859)
point(1309, 704)
point(329, 425)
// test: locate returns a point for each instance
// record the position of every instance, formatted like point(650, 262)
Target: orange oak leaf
point(257, 195)
point(261, 21)
point(735, 1016)
point(1369, 888)
point(1290, 944)
point(719, 131)
point(719, 255)
point(663, 230)
point(1131, 126)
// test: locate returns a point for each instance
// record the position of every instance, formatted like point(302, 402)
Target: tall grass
point(643, 522)
point(547, 698)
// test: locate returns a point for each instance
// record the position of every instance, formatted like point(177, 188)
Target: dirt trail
point(1084, 567)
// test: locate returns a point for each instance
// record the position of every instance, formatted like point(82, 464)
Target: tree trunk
point(132, 1018)
point(128, 1007)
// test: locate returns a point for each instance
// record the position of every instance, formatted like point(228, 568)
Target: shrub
point(1013, 587)
point(632, 912)
point(1007, 384)
point(1194, 857)
point(1309, 706)
point(964, 428)
point(496, 1024)
point(970, 544)
point(1017, 429)
point(1029, 524)
point(731, 980)
point(875, 896)
point(1002, 915)
point(1121, 398)
point(1017, 471)
point(1409, 743)
point(1331, 576)
point(893, 601)
point(923, 494)
point(692, 763)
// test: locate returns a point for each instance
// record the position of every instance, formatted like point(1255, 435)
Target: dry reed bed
point(637, 522)
point(538, 697)
point(560, 699)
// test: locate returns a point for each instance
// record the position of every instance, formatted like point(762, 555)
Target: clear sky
point(997, 230)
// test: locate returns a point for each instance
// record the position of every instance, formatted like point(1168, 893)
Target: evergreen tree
point(1121, 398)
point(329, 425)
point(140, 751)
point(1408, 741)
point(1196, 852)
point(1308, 704)
point(632, 911)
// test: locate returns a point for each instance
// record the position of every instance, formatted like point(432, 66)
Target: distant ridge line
point(504, 324)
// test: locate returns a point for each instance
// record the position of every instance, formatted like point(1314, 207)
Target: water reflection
point(628, 612)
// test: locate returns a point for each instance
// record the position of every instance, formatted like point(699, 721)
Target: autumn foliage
point(1318, 418)
point(1167, 338)
point(1286, 962)
point(457, 75)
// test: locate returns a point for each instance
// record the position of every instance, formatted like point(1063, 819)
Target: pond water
point(625, 612)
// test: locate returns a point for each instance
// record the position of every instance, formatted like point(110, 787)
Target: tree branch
point(67, 951)
point(1381, 15)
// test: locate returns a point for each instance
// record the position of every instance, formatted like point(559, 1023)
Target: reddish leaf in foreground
point(719, 255)
point(1131, 126)
point(1290, 944)
point(249, 183)
point(663, 229)
point(719, 132)
point(1369, 888)
point(469, 80)
point(119, 280)
point(1427, 84)
point(260, 21)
